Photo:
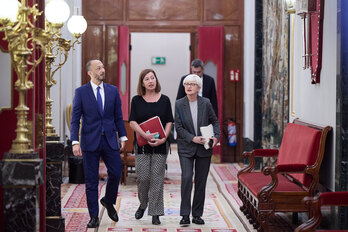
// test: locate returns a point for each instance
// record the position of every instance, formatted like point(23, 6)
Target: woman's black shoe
point(185, 220)
point(155, 220)
point(198, 220)
point(139, 213)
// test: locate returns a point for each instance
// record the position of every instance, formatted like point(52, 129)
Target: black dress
point(142, 111)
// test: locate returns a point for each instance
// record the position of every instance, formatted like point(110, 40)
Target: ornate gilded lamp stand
point(54, 147)
point(22, 170)
point(17, 35)
point(21, 195)
point(56, 45)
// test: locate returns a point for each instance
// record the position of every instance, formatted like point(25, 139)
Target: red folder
point(151, 125)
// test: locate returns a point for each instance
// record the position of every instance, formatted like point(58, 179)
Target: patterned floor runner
point(218, 214)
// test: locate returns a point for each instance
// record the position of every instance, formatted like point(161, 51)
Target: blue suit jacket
point(85, 105)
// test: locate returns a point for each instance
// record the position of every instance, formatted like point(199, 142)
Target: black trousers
point(201, 166)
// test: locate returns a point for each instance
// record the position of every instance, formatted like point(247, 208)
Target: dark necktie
point(99, 100)
point(100, 103)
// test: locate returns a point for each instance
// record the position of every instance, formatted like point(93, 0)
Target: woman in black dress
point(150, 160)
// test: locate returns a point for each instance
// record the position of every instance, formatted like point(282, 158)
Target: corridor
point(218, 214)
point(221, 212)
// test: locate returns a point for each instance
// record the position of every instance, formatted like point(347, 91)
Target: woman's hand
point(199, 140)
point(215, 141)
point(149, 137)
point(156, 142)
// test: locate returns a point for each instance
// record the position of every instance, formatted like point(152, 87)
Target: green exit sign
point(158, 60)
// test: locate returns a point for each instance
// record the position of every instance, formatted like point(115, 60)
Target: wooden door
point(211, 52)
point(123, 77)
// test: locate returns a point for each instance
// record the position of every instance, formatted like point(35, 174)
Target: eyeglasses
point(190, 84)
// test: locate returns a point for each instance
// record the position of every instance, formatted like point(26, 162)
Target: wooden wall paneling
point(103, 9)
point(169, 10)
point(111, 44)
point(233, 94)
point(145, 26)
point(93, 47)
point(224, 10)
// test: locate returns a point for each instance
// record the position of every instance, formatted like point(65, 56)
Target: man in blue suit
point(99, 105)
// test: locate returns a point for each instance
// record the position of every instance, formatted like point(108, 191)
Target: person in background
point(207, 89)
point(150, 160)
point(191, 113)
point(99, 105)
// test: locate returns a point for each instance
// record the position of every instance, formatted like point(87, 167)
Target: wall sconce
point(57, 12)
point(312, 13)
point(290, 6)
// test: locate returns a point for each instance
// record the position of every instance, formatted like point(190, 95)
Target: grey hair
point(197, 63)
point(193, 78)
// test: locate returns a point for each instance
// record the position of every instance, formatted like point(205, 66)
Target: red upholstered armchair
point(315, 203)
point(296, 175)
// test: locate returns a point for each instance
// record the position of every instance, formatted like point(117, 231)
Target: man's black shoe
point(155, 220)
point(111, 210)
point(198, 220)
point(185, 220)
point(139, 213)
point(93, 223)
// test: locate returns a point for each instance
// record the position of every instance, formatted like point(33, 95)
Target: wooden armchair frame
point(314, 204)
point(277, 190)
point(128, 160)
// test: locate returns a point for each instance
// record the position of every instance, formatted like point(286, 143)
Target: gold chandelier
point(17, 21)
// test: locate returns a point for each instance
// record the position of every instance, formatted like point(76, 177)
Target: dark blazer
point(209, 90)
point(185, 130)
point(85, 105)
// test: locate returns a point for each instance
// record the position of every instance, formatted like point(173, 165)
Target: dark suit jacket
point(85, 105)
point(185, 130)
point(209, 90)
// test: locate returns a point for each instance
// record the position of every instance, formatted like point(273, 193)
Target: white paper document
point(207, 132)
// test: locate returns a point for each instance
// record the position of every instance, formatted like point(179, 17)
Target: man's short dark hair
point(197, 63)
point(88, 65)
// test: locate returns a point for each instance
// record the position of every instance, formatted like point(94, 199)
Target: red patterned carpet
point(74, 204)
point(75, 207)
point(218, 214)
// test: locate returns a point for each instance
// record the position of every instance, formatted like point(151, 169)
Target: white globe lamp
point(57, 11)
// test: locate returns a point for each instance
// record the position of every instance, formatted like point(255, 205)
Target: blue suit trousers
point(113, 164)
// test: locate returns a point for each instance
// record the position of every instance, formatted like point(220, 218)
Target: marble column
point(54, 159)
point(341, 175)
point(21, 177)
point(257, 143)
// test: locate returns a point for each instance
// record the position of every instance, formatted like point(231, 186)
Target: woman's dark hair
point(141, 89)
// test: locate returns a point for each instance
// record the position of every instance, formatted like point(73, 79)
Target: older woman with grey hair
point(191, 113)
